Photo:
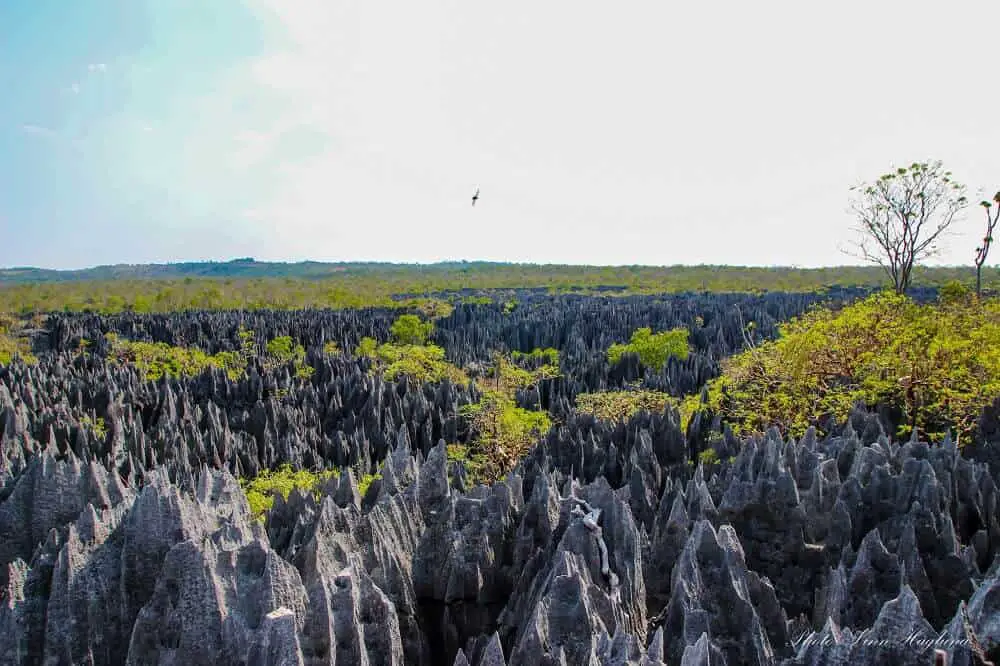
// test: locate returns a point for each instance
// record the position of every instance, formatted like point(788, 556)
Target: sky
point(634, 132)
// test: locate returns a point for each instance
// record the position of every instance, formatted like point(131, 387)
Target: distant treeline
point(248, 284)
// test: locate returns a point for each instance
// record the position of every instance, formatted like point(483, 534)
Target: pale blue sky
point(654, 132)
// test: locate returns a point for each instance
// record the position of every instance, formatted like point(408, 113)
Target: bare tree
point(903, 214)
point(992, 217)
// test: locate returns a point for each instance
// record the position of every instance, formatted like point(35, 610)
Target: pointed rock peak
point(678, 512)
point(402, 441)
point(493, 653)
point(901, 615)
point(461, 659)
point(390, 484)
point(871, 548)
point(697, 654)
point(730, 542)
point(89, 525)
point(655, 649)
point(432, 483)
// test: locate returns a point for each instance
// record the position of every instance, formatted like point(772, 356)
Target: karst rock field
point(127, 535)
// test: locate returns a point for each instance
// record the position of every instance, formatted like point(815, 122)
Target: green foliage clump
point(410, 330)
point(409, 355)
point(421, 363)
point(12, 343)
point(432, 308)
point(954, 292)
point(366, 347)
point(548, 356)
point(652, 349)
point(260, 491)
point(508, 376)
point(156, 359)
point(282, 350)
point(935, 366)
point(331, 348)
point(475, 463)
point(365, 482)
point(503, 431)
point(97, 426)
point(621, 405)
point(708, 457)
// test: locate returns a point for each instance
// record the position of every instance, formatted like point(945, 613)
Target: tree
point(902, 216)
point(409, 330)
point(992, 217)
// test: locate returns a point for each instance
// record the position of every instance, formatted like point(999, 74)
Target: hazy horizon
point(646, 134)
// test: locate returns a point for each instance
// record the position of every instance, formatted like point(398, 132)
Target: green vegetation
point(708, 457)
point(501, 431)
point(282, 350)
point(365, 482)
point(238, 285)
point(96, 426)
point(421, 363)
point(156, 359)
point(409, 330)
point(331, 348)
point(652, 349)
point(12, 342)
point(508, 374)
point(409, 355)
point(622, 405)
point(937, 366)
point(475, 463)
point(260, 491)
point(548, 356)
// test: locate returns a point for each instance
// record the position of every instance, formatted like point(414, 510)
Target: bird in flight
point(475, 197)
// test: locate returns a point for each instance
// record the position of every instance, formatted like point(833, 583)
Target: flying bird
point(475, 197)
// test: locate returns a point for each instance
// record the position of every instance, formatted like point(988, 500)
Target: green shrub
point(421, 363)
point(652, 349)
point(261, 490)
point(936, 366)
point(12, 343)
point(410, 330)
point(331, 348)
point(97, 426)
point(503, 432)
point(475, 463)
point(156, 359)
point(708, 457)
point(954, 292)
point(622, 405)
point(282, 350)
point(548, 356)
point(365, 482)
point(367, 347)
